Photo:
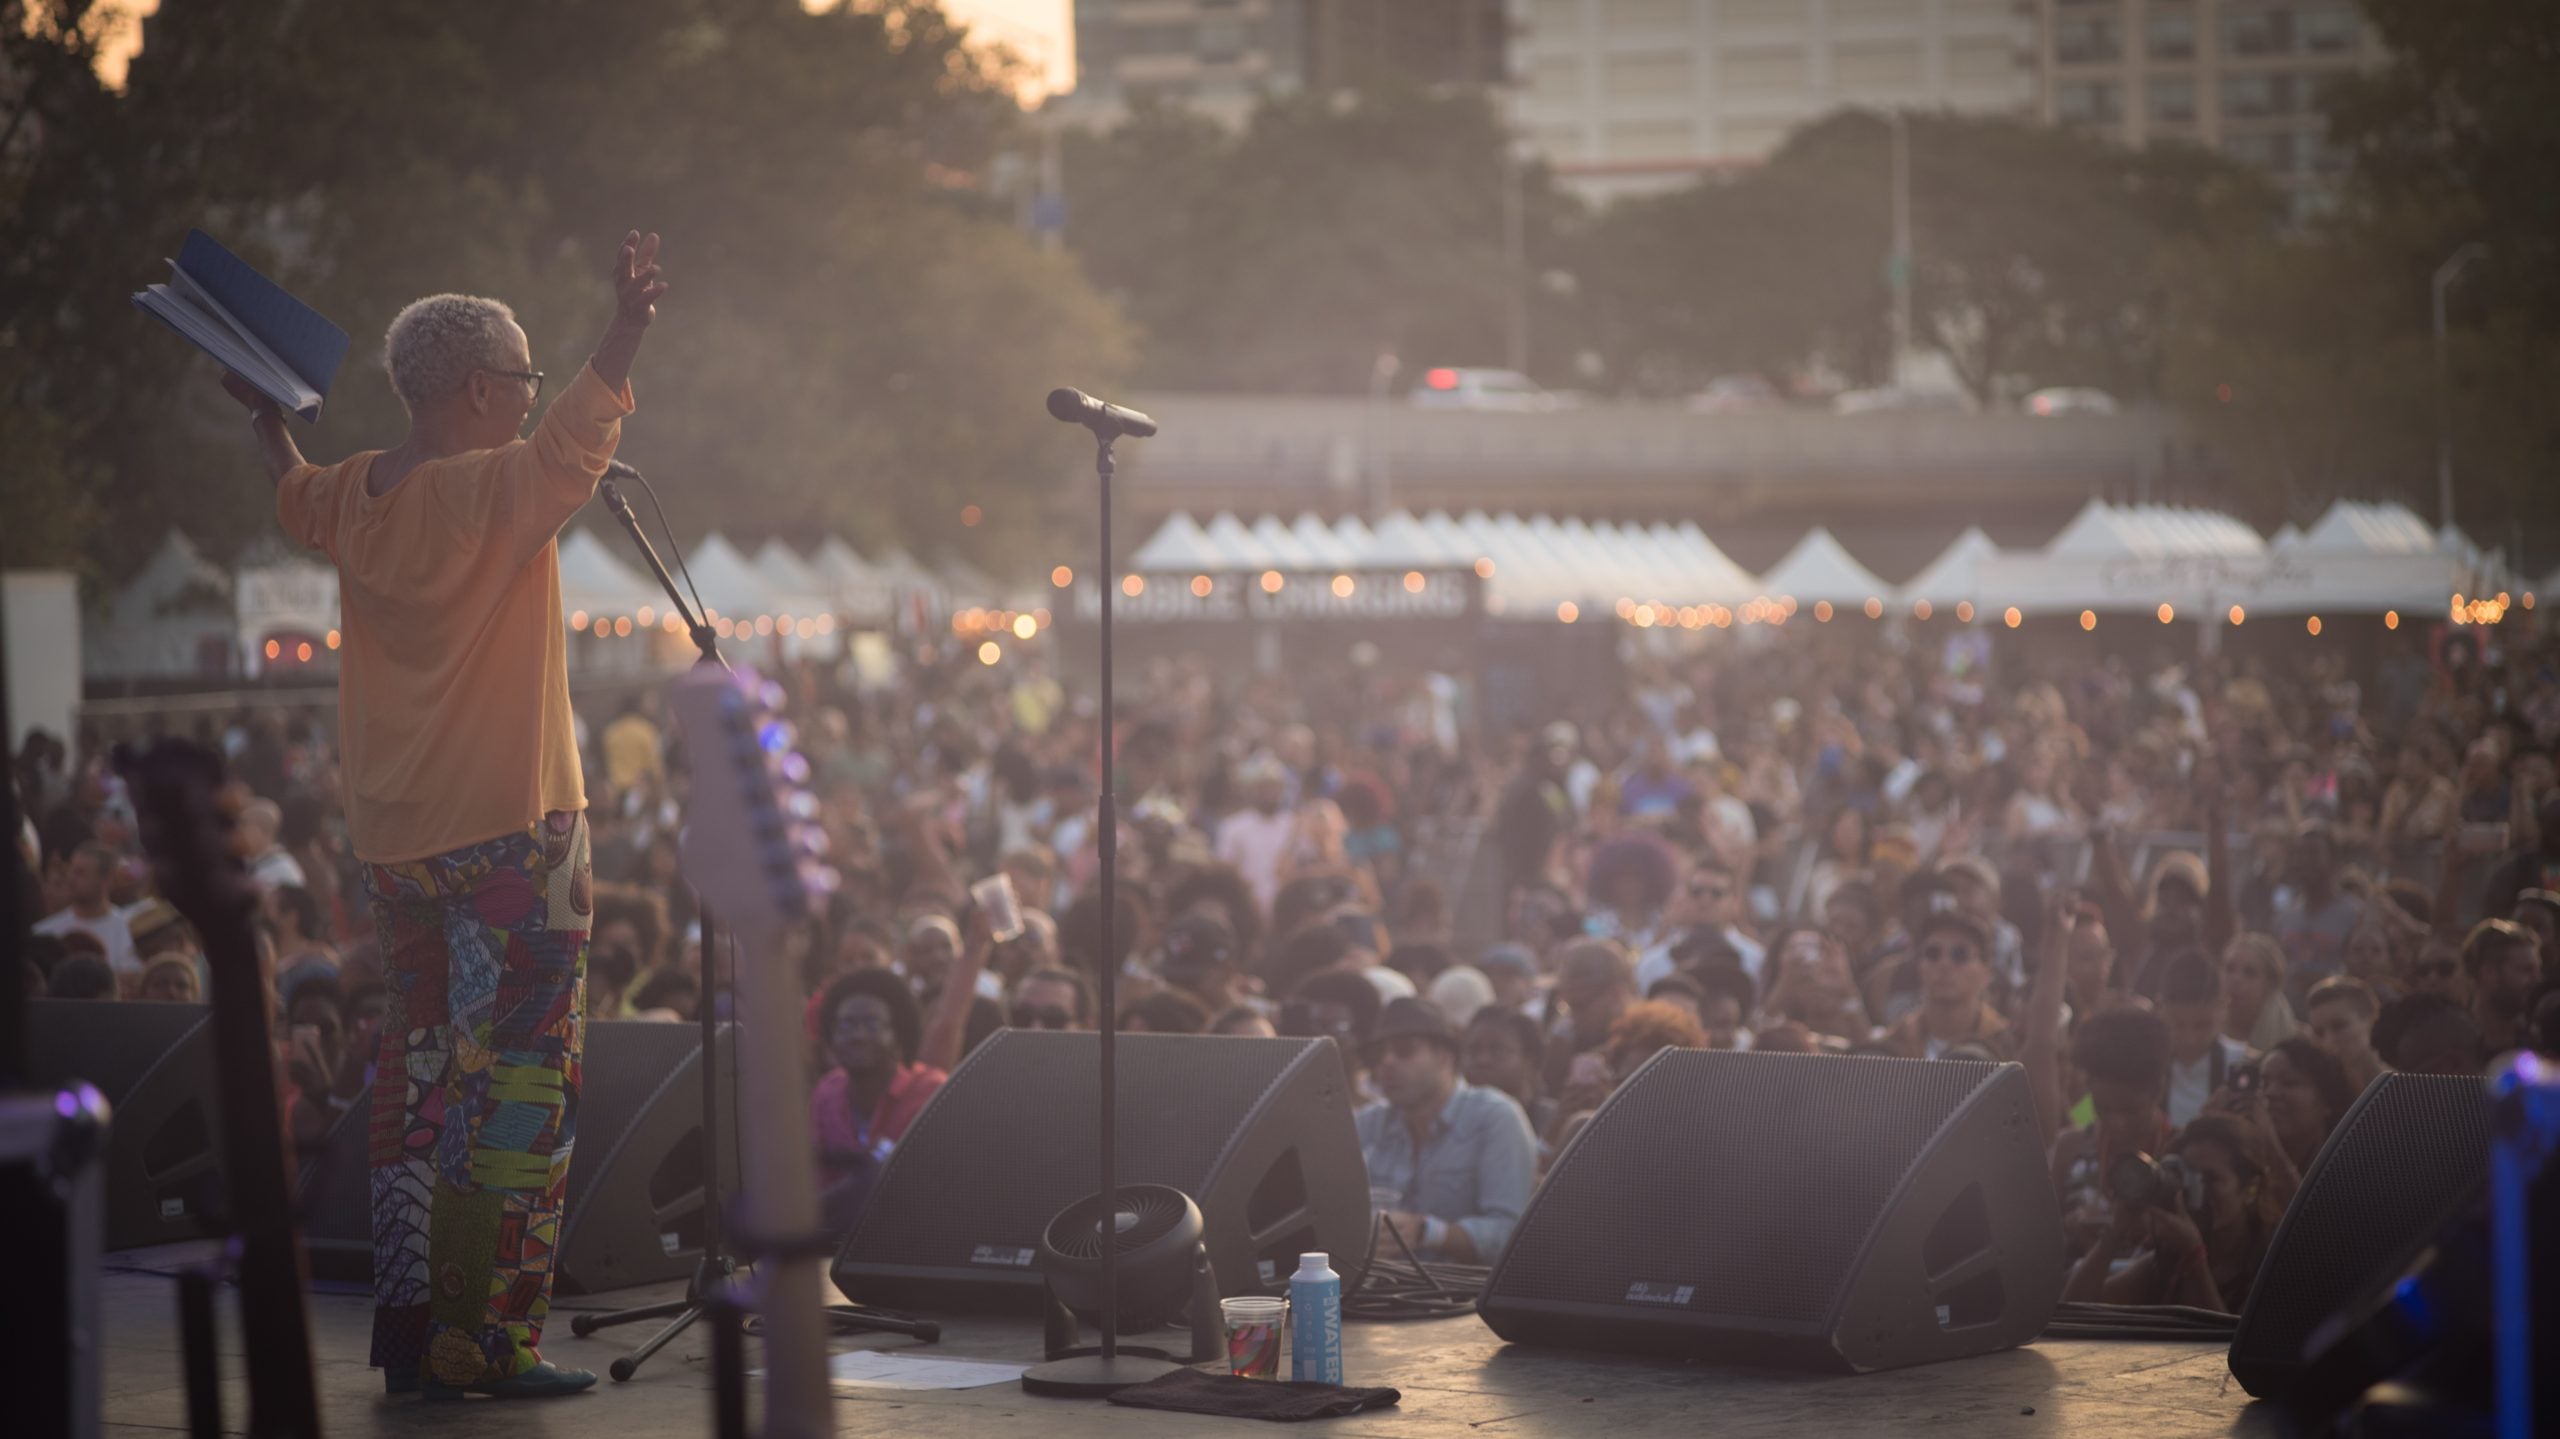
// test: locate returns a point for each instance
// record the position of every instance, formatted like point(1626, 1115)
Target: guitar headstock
point(187, 832)
point(752, 847)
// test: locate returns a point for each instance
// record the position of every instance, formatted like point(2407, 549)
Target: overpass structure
point(1894, 486)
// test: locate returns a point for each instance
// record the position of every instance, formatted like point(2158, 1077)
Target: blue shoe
point(399, 1381)
point(543, 1381)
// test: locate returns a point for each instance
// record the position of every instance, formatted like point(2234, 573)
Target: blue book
point(288, 350)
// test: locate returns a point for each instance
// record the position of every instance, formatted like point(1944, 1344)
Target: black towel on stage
point(1189, 1391)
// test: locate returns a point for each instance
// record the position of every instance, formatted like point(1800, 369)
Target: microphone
point(1107, 421)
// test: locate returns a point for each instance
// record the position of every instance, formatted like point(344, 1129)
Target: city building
point(1220, 57)
point(1358, 44)
point(2246, 77)
point(1639, 96)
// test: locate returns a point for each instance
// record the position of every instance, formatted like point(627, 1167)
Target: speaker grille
point(1703, 1171)
point(2413, 1148)
point(1027, 1143)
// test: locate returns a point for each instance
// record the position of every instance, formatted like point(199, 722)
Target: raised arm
point(276, 449)
point(636, 288)
point(948, 1024)
point(2040, 1045)
point(2221, 906)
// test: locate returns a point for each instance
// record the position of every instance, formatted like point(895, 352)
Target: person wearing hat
point(2538, 910)
point(1450, 1163)
point(1513, 972)
point(1198, 957)
point(1975, 883)
point(1952, 952)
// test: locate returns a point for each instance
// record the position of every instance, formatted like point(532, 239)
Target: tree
point(1331, 230)
point(2038, 256)
point(854, 342)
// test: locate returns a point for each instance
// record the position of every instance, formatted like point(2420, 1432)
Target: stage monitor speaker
point(334, 1194)
point(2402, 1163)
point(633, 1212)
point(153, 1063)
point(1803, 1210)
point(1257, 1131)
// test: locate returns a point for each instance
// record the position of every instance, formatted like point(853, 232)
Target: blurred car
point(2069, 400)
point(1887, 400)
point(1446, 388)
point(1735, 394)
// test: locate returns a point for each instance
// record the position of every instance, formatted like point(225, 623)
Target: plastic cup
point(1254, 1323)
point(994, 894)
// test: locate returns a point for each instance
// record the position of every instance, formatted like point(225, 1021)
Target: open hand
point(636, 281)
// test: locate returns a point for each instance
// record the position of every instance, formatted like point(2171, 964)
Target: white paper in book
point(249, 324)
point(201, 319)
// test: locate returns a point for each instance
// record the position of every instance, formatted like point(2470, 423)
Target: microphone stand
point(712, 1272)
point(707, 1292)
point(1109, 1370)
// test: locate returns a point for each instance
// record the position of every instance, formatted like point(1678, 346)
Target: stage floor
point(1456, 1377)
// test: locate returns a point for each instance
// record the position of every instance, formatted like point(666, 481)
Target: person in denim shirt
point(1459, 1156)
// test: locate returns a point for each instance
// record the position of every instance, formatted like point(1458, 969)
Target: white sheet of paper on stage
point(248, 322)
point(896, 1369)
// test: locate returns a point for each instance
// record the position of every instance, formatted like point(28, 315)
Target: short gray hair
point(434, 344)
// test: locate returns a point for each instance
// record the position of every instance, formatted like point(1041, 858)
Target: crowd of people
point(2204, 902)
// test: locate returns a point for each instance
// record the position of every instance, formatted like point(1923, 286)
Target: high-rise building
point(2246, 77)
point(1635, 96)
point(1358, 44)
point(1221, 56)
point(1215, 56)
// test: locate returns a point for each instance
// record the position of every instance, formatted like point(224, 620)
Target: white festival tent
point(2364, 558)
point(864, 597)
point(1955, 575)
point(1177, 545)
point(280, 592)
point(2113, 559)
point(2124, 559)
point(1820, 568)
point(730, 585)
point(1534, 564)
point(595, 582)
point(174, 619)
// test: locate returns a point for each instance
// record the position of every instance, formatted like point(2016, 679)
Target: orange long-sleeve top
point(453, 679)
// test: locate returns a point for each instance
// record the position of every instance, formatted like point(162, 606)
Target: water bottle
point(1315, 1321)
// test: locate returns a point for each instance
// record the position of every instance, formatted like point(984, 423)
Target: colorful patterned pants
point(475, 1096)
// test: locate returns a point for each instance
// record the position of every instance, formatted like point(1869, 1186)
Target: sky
point(1042, 31)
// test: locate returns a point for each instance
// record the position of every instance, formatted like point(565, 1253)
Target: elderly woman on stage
point(466, 807)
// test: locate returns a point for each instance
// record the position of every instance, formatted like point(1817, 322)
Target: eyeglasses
point(1041, 1016)
point(530, 377)
point(1957, 953)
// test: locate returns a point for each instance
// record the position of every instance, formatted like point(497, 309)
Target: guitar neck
point(189, 841)
point(283, 1402)
point(779, 1199)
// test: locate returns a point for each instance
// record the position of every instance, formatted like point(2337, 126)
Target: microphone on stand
point(1107, 421)
point(617, 470)
point(696, 624)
